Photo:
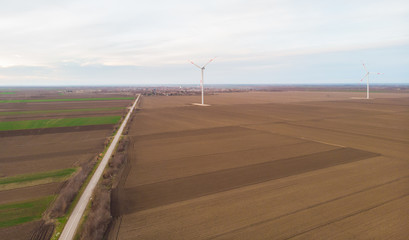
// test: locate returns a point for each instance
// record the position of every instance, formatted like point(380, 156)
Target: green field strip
point(63, 111)
point(17, 213)
point(64, 100)
point(57, 174)
point(59, 122)
point(7, 93)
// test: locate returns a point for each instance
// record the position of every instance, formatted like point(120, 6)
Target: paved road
point(72, 223)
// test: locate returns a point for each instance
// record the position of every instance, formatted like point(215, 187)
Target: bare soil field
point(42, 131)
point(38, 106)
point(263, 97)
point(62, 115)
point(56, 93)
point(21, 194)
point(259, 165)
point(20, 232)
point(33, 153)
point(37, 150)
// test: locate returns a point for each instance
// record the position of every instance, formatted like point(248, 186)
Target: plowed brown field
point(33, 153)
point(39, 106)
point(258, 165)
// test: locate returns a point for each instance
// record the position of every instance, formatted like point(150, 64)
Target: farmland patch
point(62, 111)
point(179, 189)
point(62, 122)
point(63, 100)
point(32, 179)
point(17, 213)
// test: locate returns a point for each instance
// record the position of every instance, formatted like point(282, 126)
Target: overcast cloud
point(149, 42)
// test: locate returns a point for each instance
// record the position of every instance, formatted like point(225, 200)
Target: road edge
point(72, 224)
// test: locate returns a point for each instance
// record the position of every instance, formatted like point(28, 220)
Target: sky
point(101, 42)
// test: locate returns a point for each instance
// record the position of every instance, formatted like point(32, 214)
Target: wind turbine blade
point(209, 61)
point(365, 76)
point(366, 70)
point(195, 64)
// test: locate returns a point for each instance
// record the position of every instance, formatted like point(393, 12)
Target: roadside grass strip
point(63, 111)
point(17, 213)
point(63, 100)
point(58, 122)
point(33, 179)
point(7, 93)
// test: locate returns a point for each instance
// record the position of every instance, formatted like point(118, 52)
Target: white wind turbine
point(201, 81)
point(367, 80)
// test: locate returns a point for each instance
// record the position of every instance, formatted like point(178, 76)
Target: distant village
point(195, 90)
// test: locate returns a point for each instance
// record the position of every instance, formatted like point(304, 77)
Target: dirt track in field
point(281, 165)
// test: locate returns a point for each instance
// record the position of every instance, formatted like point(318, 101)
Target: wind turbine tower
point(367, 80)
point(201, 81)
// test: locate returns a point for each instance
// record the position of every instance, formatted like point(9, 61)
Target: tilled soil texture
point(21, 194)
point(40, 153)
point(39, 106)
point(54, 93)
point(175, 190)
point(20, 232)
point(264, 98)
point(279, 165)
point(40, 131)
point(54, 115)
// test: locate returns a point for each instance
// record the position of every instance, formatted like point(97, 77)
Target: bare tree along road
point(72, 223)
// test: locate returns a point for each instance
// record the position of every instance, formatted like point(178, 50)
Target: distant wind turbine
point(367, 80)
point(201, 81)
